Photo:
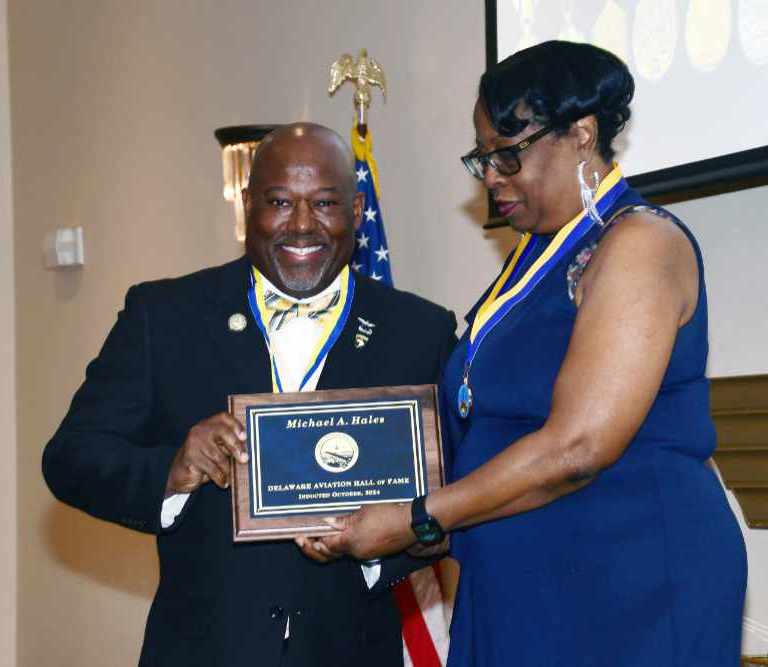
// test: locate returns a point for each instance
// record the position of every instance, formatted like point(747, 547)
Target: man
point(140, 440)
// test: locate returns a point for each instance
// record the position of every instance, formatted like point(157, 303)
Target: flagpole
point(371, 254)
point(420, 598)
point(363, 73)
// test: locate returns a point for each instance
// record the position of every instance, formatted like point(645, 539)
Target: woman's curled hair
point(560, 82)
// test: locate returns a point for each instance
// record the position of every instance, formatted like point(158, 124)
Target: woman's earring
point(588, 193)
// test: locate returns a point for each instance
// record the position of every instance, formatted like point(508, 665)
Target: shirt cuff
point(171, 509)
point(371, 572)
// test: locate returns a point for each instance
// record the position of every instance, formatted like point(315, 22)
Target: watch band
point(419, 510)
point(427, 529)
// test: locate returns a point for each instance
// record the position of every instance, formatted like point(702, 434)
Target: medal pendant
point(464, 400)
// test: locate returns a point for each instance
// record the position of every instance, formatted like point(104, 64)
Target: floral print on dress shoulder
point(576, 268)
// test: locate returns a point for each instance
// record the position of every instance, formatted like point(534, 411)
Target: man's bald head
point(301, 138)
point(301, 208)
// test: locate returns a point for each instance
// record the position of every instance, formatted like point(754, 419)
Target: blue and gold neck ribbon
point(332, 324)
point(508, 292)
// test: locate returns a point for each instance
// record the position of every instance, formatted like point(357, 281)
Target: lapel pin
point(364, 332)
point(237, 322)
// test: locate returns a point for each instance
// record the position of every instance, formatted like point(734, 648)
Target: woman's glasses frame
point(506, 161)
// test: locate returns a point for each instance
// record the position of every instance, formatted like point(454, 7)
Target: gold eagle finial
point(364, 73)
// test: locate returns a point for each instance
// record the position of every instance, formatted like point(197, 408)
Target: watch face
point(428, 533)
point(426, 528)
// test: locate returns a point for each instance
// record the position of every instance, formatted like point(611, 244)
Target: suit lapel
point(349, 364)
point(243, 354)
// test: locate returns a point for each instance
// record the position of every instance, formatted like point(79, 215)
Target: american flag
point(371, 255)
point(424, 614)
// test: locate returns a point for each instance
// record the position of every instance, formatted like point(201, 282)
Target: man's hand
point(315, 548)
point(206, 453)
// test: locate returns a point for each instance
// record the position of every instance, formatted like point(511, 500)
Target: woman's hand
point(420, 551)
point(371, 532)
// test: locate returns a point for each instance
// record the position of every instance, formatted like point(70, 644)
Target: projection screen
point(700, 112)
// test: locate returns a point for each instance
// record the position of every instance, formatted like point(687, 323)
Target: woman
point(589, 527)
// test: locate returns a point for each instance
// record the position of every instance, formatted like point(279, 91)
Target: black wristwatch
point(427, 529)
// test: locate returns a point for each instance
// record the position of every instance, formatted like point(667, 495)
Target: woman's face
point(544, 195)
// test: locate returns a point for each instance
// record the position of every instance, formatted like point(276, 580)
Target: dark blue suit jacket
point(169, 362)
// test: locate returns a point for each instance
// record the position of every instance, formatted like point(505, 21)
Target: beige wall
point(114, 104)
point(7, 375)
point(733, 234)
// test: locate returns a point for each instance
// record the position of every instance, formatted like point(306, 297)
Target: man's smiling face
point(301, 209)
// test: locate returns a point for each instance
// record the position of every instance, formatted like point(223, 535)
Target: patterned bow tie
point(283, 310)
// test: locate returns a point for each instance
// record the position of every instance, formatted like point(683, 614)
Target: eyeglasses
point(506, 161)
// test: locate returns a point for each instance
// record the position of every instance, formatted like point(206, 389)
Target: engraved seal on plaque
point(336, 452)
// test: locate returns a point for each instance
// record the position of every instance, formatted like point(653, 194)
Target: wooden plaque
point(326, 453)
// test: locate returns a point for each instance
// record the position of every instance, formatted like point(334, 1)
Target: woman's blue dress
point(643, 567)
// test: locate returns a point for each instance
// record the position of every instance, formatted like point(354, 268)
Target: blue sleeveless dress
point(643, 567)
